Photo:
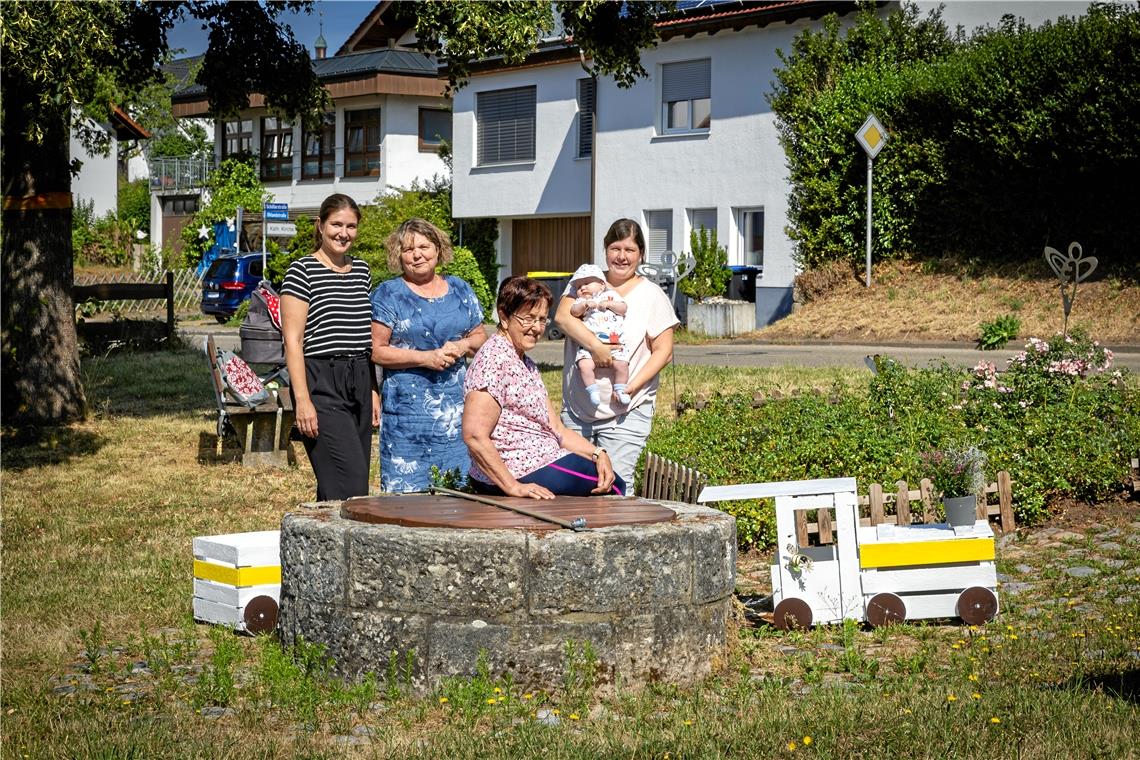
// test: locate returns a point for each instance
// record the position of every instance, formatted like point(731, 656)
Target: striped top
point(340, 314)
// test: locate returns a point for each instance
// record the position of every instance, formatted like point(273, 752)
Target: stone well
point(652, 600)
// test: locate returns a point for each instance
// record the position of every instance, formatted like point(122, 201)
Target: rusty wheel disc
point(792, 613)
point(977, 605)
point(885, 609)
point(261, 614)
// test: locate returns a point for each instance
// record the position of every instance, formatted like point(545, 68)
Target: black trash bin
point(557, 282)
point(742, 286)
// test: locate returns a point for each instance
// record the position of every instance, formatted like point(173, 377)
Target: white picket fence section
point(187, 291)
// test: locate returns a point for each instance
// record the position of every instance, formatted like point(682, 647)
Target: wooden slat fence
point(668, 480)
point(187, 290)
point(904, 506)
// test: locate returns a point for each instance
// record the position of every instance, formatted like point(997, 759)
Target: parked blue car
point(229, 281)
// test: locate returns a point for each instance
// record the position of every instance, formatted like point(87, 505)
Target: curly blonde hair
point(395, 242)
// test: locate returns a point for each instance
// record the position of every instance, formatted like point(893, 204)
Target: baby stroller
point(260, 334)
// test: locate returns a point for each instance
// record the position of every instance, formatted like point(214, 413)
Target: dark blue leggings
point(572, 475)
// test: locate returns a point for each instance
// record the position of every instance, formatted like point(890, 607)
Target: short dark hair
point(518, 292)
point(335, 202)
point(622, 229)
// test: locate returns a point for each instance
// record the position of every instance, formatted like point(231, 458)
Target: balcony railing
point(179, 173)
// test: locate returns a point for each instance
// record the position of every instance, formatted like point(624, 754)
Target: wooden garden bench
point(262, 432)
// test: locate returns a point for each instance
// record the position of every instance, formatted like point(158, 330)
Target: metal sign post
point(872, 137)
point(278, 211)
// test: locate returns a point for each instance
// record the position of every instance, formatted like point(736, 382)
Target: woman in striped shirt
point(326, 326)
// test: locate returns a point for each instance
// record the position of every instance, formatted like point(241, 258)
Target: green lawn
point(101, 657)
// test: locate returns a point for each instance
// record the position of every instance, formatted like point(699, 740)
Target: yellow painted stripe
point(926, 552)
point(237, 576)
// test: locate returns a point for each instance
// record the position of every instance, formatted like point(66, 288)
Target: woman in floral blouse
point(518, 444)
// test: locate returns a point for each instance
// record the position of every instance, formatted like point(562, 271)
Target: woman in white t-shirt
point(621, 429)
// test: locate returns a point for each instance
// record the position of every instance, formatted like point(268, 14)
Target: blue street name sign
point(278, 211)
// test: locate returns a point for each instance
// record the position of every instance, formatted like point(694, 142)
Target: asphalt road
point(760, 354)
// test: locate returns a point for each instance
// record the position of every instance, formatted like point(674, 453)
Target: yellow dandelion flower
point(573, 716)
point(955, 646)
point(995, 720)
point(791, 746)
point(490, 700)
point(973, 676)
point(498, 690)
point(688, 723)
point(555, 711)
point(807, 741)
point(951, 698)
point(528, 695)
point(975, 695)
point(1013, 636)
point(1033, 674)
point(443, 700)
point(906, 711)
point(501, 699)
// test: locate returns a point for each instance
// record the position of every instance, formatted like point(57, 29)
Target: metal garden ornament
point(1071, 268)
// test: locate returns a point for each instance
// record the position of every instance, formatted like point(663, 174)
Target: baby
point(603, 311)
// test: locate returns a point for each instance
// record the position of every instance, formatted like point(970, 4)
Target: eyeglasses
point(528, 322)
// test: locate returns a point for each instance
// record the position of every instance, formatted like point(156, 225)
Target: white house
point(695, 143)
point(388, 118)
point(97, 182)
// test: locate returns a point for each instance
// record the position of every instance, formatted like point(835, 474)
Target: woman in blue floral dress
point(424, 326)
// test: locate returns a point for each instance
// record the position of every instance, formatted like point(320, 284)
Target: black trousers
point(341, 391)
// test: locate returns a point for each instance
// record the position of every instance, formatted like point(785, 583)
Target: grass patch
point(101, 657)
point(950, 301)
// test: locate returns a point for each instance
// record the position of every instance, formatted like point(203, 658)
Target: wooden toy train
point(880, 574)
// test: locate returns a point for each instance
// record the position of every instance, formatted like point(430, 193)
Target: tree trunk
point(41, 382)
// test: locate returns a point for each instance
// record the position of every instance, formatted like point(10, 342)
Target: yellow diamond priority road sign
point(871, 136)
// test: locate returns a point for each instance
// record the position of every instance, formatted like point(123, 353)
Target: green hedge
point(1000, 144)
point(1056, 433)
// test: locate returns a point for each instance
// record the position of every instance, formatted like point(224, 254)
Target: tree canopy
point(611, 35)
point(1001, 143)
point(68, 62)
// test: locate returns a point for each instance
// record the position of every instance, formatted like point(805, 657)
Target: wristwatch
point(597, 453)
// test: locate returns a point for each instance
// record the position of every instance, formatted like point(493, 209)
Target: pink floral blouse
point(523, 436)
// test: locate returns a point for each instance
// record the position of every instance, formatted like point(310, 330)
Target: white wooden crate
point(237, 580)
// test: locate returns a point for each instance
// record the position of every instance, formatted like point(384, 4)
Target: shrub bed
point(1059, 420)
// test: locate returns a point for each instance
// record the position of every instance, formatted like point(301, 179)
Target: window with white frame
point(686, 96)
point(702, 217)
point(750, 242)
point(504, 123)
point(658, 235)
point(587, 99)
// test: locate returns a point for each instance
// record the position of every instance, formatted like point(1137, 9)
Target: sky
point(341, 17)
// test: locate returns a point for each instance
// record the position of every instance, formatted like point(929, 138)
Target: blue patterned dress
point(422, 408)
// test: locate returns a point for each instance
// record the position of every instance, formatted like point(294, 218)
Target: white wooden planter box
point(237, 580)
point(721, 318)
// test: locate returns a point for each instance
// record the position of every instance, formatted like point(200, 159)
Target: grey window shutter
point(705, 217)
point(686, 80)
point(587, 100)
point(505, 124)
point(659, 235)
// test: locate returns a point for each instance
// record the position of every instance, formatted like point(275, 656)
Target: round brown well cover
point(422, 510)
